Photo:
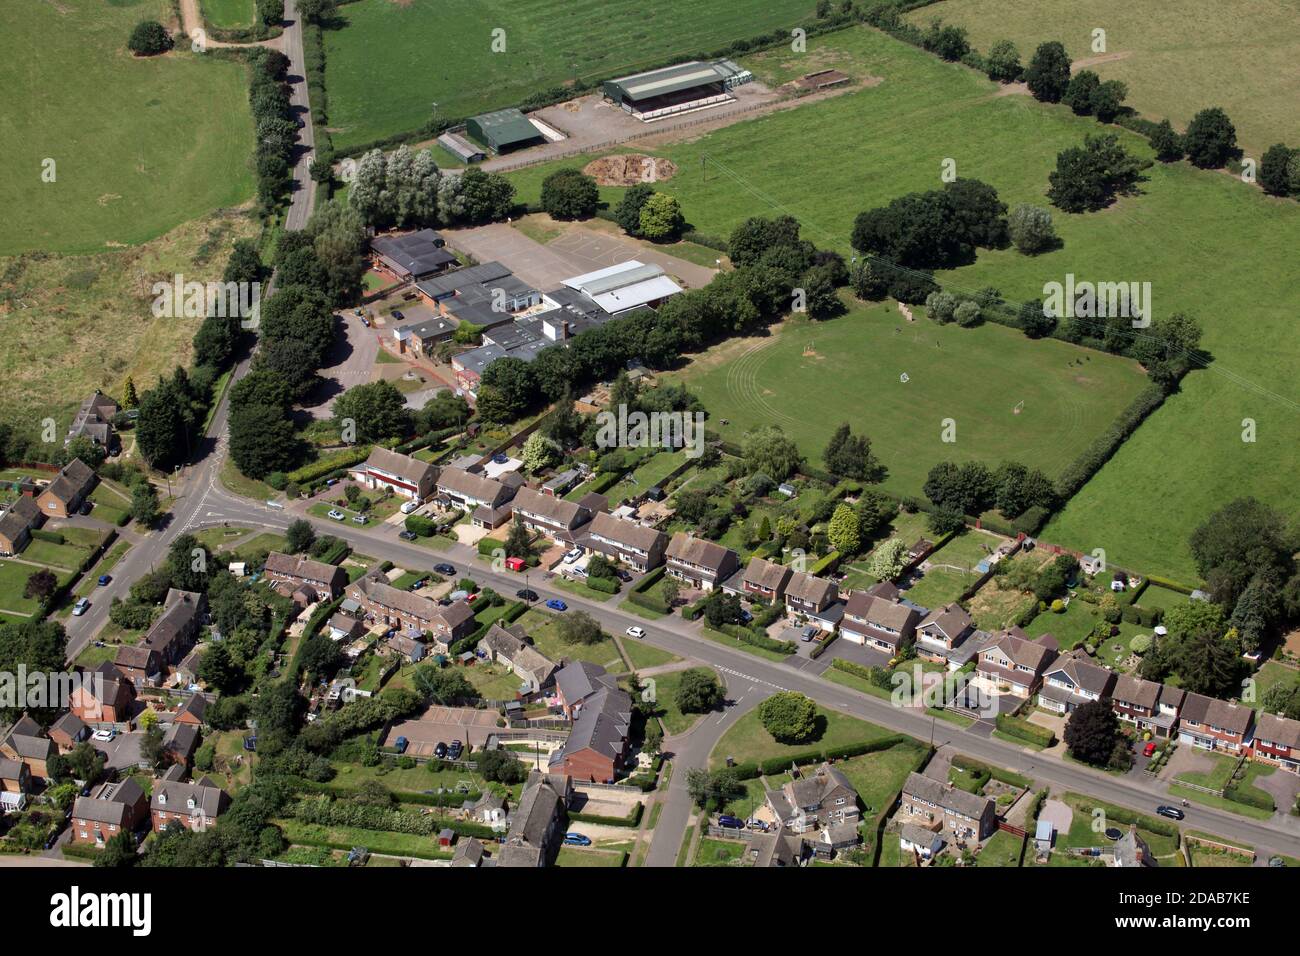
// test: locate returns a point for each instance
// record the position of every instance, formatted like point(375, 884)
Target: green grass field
point(140, 144)
point(443, 51)
point(229, 13)
point(880, 142)
point(808, 377)
point(1206, 55)
point(748, 740)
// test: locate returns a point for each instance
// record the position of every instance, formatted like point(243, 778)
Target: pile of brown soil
point(630, 169)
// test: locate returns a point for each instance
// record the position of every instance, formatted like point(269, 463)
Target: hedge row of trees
point(405, 189)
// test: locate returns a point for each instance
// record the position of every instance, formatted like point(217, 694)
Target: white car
point(573, 554)
point(105, 735)
point(336, 514)
point(637, 632)
point(81, 607)
point(410, 507)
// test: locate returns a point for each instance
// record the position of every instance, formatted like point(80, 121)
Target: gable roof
point(1136, 691)
point(578, 680)
point(1277, 730)
point(1082, 673)
point(929, 790)
point(404, 466)
point(72, 482)
point(637, 536)
point(765, 574)
point(28, 740)
point(174, 796)
point(602, 725)
point(699, 551)
point(302, 567)
point(179, 612)
point(109, 803)
point(805, 587)
point(1233, 718)
point(522, 655)
point(1015, 644)
point(878, 611)
point(951, 620)
point(479, 487)
point(416, 253)
point(548, 507)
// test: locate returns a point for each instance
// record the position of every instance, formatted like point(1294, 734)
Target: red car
point(1149, 749)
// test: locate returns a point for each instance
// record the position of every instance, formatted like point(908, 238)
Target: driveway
point(351, 361)
point(1283, 786)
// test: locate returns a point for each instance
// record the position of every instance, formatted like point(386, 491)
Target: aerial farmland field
point(388, 62)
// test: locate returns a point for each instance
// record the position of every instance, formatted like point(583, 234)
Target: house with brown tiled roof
point(942, 630)
point(762, 580)
point(139, 663)
point(627, 542)
point(807, 596)
point(878, 622)
point(16, 525)
point(64, 495)
point(404, 475)
point(699, 562)
point(15, 784)
point(1153, 707)
point(411, 613)
point(1014, 664)
point(1276, 741)
point(1213, 724)
point(547, 514)
point(1072, 680)
point(103, 697)
point(298, 570)
point(508, 645)
point(485, 498)
point(172, 635)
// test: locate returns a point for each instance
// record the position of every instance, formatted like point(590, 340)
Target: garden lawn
point(545, 46)
point(229, 13)
point(1071, 627)
point(1002, 849)
point(665, 688)
point(642, 655)
point(748, 740)
point(589, 856)
point(140, 144)
point(542, 628)
point(714, 852)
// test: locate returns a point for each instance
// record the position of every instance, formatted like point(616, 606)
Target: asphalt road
point(303, 199)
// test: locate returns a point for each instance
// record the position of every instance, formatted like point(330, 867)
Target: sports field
point(1176, 58)
point(393, 60)
point(810, 376)
point(139, 144)
point(1209, 245)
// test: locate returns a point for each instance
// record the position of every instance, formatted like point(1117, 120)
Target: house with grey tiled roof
point(1073, 680)
point(536, 823)
point(944, 808)
point(820, 798)
point(109, 809)
point(942, 630)
point(508, 645)
point(195, 806)
point(1012, 663)
point(66, 492)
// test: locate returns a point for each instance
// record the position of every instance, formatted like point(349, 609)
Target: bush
point(149, 38)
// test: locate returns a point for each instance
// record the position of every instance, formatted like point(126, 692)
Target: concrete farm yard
point(825, 162)
point(140, 144)
point(808, 376)
point(373, 42)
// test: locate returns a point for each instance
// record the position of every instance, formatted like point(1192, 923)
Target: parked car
point(555, 604)
point(398, 315)
point(808, 634)
point(623, 575)
point(1173, 813)
point(526, 594)
point(409, 507)
point(499, 459)
point(104, 579)
point(105, 735)
point(400, 745)
point(440, 750)
point(407, 535)
point(455, 750)
point(81, 607)
point(336, 514)
point(727, 821)
point(416, 585)
point(635, 631)
point(756, 824)
point(358, 519)
point(1149, 749)
point(577, 839)
point(444, 568)
point(573, 554)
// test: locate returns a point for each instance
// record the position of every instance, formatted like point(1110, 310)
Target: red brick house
point(27, 743)
point(942, 630)
point(700, 563)
point(110, 809)
point(195, 806)
point(296, 571)
point(16, 524)
point(68, 731)
point(639, 547)
point(108, 698)
point(763, 580)
point(1014, 664)
point(1276, 741)
point(1153, 707)
point(814, 598)
point(64, 495)
point(1213, 724)
point(878, 622)
point(411, 613)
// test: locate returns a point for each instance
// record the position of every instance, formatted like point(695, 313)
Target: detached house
point(1014, 664)
point(597, 745)
point(297, 571)
point(628, 542)
point(1276, 741)
point(700, 563)
point(816, 599)
point(27, 743)
point(1214, 724)
point(507, 645)
point(16, 524)
point(821, 799)
point(94, 420)
point(195, 806)
point(15, 784)
point(537, 822)
point(941, 631)
point(1073, 680)
point(946, 809)
point(64, 495)
point(878, 622)
point(552, 516)
point(403, 475)
point(763, 580)
point(110, 809)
